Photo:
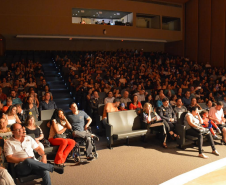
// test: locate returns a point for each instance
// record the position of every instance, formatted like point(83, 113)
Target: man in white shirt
point(125, 99)
point(216, 114)
point(109, 99)
point(19, 150)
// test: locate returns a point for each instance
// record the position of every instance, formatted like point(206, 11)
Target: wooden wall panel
point(218, 33)
point(204, 38)
point(191, 30)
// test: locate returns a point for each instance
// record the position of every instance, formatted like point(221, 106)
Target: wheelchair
point(80, 148)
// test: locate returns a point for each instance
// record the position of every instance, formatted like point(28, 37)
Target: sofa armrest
point(109, 133)
point(181, 131)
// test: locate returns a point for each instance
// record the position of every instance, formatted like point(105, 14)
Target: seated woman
point(3, 126)
point(207, 123)
point(31, 109)
point(32, 128)
point(135, 104)
point(151, 118)
point(9, 102)
point(194, 122)
point(59, 124)
point(11, 115)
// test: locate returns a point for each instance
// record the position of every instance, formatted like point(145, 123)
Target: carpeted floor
point(139, 163)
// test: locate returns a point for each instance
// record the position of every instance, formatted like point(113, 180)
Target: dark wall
point(205, 31)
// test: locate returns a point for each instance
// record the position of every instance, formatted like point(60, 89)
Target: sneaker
point(218, 130)
point(215, 152)
point(215, 137)
point(90, 157)
point(96, 138)
point(58, 169)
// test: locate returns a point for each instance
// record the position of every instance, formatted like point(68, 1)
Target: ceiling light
point(75, 14)
point(114, 14)
point(78, 11)
point(94, 15)
point(118, 13)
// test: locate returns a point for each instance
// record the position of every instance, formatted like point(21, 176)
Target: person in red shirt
point(135, 104)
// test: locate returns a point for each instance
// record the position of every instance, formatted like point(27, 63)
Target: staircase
point(61, 94)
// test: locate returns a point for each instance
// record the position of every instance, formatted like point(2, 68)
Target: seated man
point(216, 114)
point(125, 99)
point(159, 101)
point(109, 98)
point(187, 99)
point(80, 130)
point(15, 100)
point(20, 113)
point(19, 150)
point(110, 107)
point(179, 106)
point(47, 104)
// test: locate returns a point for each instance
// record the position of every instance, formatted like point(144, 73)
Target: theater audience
point(216, 114)
point(9, 102)
point(2, 95)
point(25, 161)
point(125, 99)
point(32, 128)
point(11, 115)
point(193, 123)
point(3, 125)
point(167, 113)
point(57, 137)
point(152, 119)
point(31, 109)
point(179, 106)
point(187, 99)
point(109, 98)
point(135, 104)
point(47, 104)
point(46, 90)
point(77, 119)
point(110, 107)
point(15, 100)
point(194, 104)
point(20, 113)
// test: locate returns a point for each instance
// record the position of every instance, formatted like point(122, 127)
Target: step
point(63, 95)
point(63, 90)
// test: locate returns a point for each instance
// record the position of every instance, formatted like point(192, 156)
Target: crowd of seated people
point(137, 78)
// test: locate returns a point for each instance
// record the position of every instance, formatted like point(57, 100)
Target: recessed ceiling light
point(94, 15)
point(75, 14)
point(78, 11)
point(114, 14)
point(118, 13)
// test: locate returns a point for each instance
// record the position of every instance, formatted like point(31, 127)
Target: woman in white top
point(11, 115)
point(59, 124)
point(193, 123)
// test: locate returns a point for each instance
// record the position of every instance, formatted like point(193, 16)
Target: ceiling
point(98, 14)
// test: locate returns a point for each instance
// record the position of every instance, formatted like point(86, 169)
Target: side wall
point(205, 31)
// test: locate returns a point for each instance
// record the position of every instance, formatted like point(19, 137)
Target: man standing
point(47, 104)
point(19, 150)
point(80, 130)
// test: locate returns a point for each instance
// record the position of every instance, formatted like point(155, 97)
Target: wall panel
point(204, 38)
point(218, 33)
point(191, 29)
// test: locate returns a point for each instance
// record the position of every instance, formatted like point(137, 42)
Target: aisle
point(61, 94)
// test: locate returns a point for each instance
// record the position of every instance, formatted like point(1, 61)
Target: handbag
point(45, 142)
point(63, 136)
